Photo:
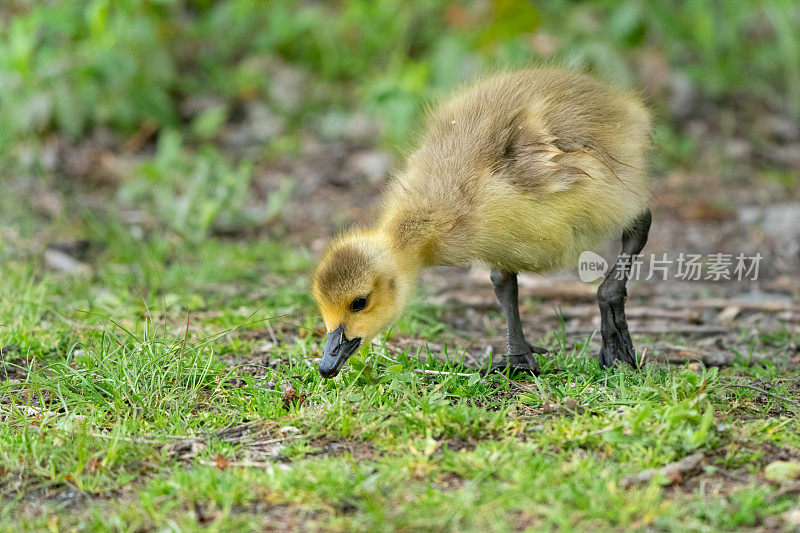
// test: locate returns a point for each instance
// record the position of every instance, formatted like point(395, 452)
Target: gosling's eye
point(358, 304)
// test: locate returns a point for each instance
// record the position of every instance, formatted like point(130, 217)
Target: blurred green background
point(159, 128)
point(186, 69)
point(155, 125)
point(168, 171)
point(74, 66)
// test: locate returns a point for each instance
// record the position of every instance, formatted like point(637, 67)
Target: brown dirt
point(752, 407)
point(335, 446)
point(459, 444)
point(11, 365)
point(716, 481)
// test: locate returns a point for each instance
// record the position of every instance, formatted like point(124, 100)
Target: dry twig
point(244, 464)
point(768, 393)
point(441, 373)
point(674, 472)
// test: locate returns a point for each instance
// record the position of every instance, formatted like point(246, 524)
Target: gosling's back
point(523, 171)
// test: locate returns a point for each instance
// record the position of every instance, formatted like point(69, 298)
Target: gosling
point(521, 171)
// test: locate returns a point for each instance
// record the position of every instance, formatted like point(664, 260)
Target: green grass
point(73, 66)
point(95, 420)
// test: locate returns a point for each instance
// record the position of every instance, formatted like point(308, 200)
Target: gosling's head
point(360, 289)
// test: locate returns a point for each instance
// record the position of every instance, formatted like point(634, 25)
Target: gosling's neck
point(412, 237)
point(409, 258)
point(404, 257)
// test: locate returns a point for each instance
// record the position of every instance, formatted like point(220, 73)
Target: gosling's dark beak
point(336, 351)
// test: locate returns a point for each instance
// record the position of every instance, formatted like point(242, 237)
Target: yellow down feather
point(520, 172)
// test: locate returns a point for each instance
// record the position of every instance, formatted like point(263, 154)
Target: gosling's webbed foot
point(617, 343)
point(611, 295)
point(522, 354)
point(538, 349)
point(514, 364)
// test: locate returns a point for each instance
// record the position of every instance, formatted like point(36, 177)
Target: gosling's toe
point(538, 349)
point(514, 364)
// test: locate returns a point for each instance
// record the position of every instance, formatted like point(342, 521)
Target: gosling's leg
point(520, 353)
point(611, 295)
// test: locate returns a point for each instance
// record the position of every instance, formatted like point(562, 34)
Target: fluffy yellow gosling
point(521, 171)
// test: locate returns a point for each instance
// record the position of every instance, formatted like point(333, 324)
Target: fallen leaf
point(292, 396)
point(92, 465)
point(221, 462)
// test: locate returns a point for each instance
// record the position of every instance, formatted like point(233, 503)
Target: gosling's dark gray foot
point(538, 349)
point(520, 356)
point(617, 343)
point(612, 293)
point(514, 364)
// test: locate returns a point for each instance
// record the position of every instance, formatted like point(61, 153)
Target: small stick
point(792, 487)
point(155, 439)
point(137, 440)
point(135, 141)
point(768, 393)
point(516, 384)
point(674, 472)
point(270, 441)
point(440, 373)
point(244, 464)
point(388, 358)
point(589, 434)
point(685, 329)
point(722, 303)
point(272, 333)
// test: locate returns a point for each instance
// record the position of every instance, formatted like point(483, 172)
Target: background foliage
point(76, 66)
point(168, 170)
